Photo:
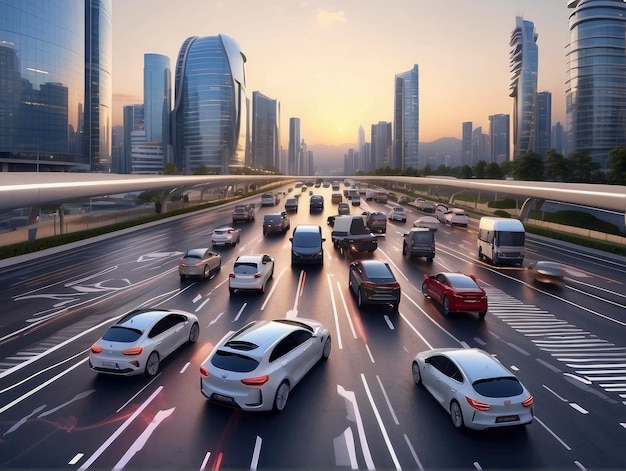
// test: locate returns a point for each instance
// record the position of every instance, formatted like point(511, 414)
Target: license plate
point(219, 397)
point(108, 364)
point(507, 418)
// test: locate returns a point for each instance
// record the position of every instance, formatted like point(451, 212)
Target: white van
point(501, 240)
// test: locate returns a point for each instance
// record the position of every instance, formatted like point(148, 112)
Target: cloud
point(327, 18)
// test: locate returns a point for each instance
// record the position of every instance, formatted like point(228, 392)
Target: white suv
point(397, 213)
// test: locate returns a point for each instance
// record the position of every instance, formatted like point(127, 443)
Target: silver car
point(139, 341)
point(201, 262)
point(474, 387)
point(256, 368)
point(226, 235)
point(251, 272)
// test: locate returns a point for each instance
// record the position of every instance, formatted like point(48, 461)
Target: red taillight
point(204, 372)
point(257, 275)
point(477, 404)
point(257, 381)
point(529, 401)
point(368, 285)
point(96, 349)
point(133, 351)
point(232, 275)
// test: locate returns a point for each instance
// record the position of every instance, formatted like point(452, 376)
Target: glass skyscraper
point(524, 67)
point(157, 98)
point(265, 152)
point(406, 120)
point(294, 148)
point(210, 113)
point(42, 85)
point(499, 142)
point(544, 123)
point(596, 83)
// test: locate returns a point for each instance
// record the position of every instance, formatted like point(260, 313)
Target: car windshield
point(121, 334)
point(233, 362)
point(462, 281)
point(245, 268)
point(506, 386)
point(222, 231)
point(511, 239)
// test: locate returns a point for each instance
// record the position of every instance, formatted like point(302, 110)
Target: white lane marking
point(351, 398)
point(382, 388)
point(380, 423)
point(580, 465)
point(205, 461)
point(392, 263)
point(41, 386)
point(202, 304)
point(120, 429)
point(346, 311)
point(240, 312)
point(23, 420)
point(137, 393)
point(369, 352)
point(256, 453)
point(143, 438)
point(77, 397)
point(477, 466)
point(184, 368)
point(412, 450)
point(560, 397)
point(76, 458)
point(274, 286)
point(565, 445)
point(216, 319)
point(580, 409)
point(389, 323)
point(196, 299)
point(335, 316)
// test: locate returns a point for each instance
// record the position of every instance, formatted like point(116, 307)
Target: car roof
point(196, 252)
point(142, 319)
point(367, 263)
point(261, 335)
point(476, 363)
point(307, 228)
point(225, 228)
point(249, 258)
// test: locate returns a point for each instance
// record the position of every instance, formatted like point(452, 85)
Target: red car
point(456, 292)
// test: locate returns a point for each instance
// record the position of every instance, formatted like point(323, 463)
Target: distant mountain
point(444, 151)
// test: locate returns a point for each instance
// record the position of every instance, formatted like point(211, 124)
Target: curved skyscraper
point(596, 83)
point(524, 67)
point(42, 85)
point(210, 106)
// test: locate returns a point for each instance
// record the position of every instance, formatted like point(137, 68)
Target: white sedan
point(256, 367)
point(456, 217)
point(397, 213)
point(251, 272)
point(226, 236)
point(427, 222)
point(140, 340)
point(473, 387)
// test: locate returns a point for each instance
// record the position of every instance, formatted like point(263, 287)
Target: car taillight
point(133, 351)
point(368, 285)
point(232, 275)
point(529, 401)
point(477, 404)
point(256, 381)
point(96, 349)
point(204, 372)
point(257, 275)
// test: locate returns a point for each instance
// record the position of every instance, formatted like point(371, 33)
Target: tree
point(529, 166)
point(617, 166)
point(465, 171)
point(170, 169)
point(493, 171)
point(479, 169)
point(556, 166)
point(506, 167)
point(581, 167)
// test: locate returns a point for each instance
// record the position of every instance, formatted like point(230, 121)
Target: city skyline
point(333, 64)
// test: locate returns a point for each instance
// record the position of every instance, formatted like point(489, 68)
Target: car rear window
point(121, 334)
point(422, 237)
point(379, 272)
point(272, 219)
point(233, 362)
point(505, 386)
point(240, 209)
point(462, 282)
point(306, 239)
point(245, 268)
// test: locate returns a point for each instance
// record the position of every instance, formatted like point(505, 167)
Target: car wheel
point(219, 267)
point(480, 253)
point(429, 260)
point(456, 415)
point(182, 277)
point(404, 220)
point(359, 298)
point(194, 332)
point(152, 365)
point(403, 249)
point(282, 394)
point(326, 350)
point(446, 306)
point(206, 272)
point(482, 314)
point(417, 376)
point(396, 307)
point(425, 289)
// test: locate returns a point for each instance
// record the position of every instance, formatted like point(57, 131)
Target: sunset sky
point(332, 63)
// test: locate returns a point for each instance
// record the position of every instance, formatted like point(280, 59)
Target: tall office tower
point(558, 136)
point(265, 146)
point(524, 67)
point(406, 120)
point(362, 161)
point(210, 114)
point(480, 144)
point(98, 84)
point(157, 99)
point(544, 123)
point(596, 83)
point(466, 143)
point(117, 149)
point(43, 65)
point(499, 138)
point(349, 164)
point(293, 153)
point(381, 144)
point(133, 121)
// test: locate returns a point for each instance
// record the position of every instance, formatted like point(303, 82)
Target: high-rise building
point(596, 77)
point(381, 144)
point(265, 146)
point(294, 150)
point(406, 120)
point(466, 143)
point(133, 121)
point(45, 59)
point(544, 123)
point(210, 115)
point(499, 138)
point(480, 145)
point(362, 163)
point(558, 141)
point(157, 99)
point(98, 84)
point(523, 89)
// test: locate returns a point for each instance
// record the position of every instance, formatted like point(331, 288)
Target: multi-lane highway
point(361, 409)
